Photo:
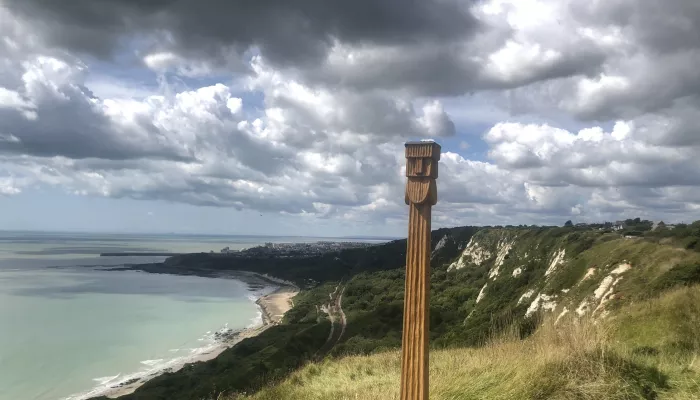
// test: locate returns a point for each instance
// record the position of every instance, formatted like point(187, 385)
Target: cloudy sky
point(289, 117)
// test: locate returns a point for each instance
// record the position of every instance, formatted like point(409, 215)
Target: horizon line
point(196, 234)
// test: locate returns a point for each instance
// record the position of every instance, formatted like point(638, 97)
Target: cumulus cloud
point(569, 108)
point(310, 152)
point(590, 157)
point(651, 49)
point(55, 114)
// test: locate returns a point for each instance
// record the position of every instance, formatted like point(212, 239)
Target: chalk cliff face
point(563, 271)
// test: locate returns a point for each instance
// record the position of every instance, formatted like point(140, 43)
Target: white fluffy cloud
point(309, 151)
point(595, 113)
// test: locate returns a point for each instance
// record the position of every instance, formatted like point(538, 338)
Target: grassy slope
point(373, 298)
point(645, 350)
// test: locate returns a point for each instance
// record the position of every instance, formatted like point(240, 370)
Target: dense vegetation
point(646, 351)
point(373, 299)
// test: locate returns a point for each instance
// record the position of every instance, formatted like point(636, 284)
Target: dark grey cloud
point(418, 48)
point(285, 31)
point(629, 175)
point(659, 25)
point(674, 126)
point(450, 69)
point(75, 129)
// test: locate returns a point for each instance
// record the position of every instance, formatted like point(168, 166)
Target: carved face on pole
point(422, 170)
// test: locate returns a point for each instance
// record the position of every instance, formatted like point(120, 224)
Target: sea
point(69, 328)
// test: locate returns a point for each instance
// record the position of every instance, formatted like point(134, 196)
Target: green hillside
point(645, 351)
point(616, 324)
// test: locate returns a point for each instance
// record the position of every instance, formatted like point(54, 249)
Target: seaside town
point(294, 249)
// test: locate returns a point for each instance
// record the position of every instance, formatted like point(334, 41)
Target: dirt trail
point(334, 309)
point(343, 321)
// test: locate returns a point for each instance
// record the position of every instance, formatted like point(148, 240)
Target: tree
point(568, 223)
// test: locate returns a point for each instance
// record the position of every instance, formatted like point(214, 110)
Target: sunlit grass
point(647, 350)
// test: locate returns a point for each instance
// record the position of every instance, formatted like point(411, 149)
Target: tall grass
point(645, 351)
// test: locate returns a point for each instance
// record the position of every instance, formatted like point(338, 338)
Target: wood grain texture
point(421, 195)
point(416, 330)
point(419, 191)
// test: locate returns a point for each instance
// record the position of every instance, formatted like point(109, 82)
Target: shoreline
point(272, 307)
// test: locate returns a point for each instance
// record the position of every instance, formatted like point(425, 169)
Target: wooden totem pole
point(421, 194)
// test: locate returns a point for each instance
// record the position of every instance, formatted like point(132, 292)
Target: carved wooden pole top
point(422, 171)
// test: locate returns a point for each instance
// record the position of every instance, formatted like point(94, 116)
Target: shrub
point(685, 274)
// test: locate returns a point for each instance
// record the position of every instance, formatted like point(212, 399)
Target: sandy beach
point(273, 306)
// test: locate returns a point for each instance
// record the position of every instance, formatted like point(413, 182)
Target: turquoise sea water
point(64, 331)
point(68, 328)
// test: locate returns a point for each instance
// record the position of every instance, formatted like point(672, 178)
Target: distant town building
point(294, 249)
